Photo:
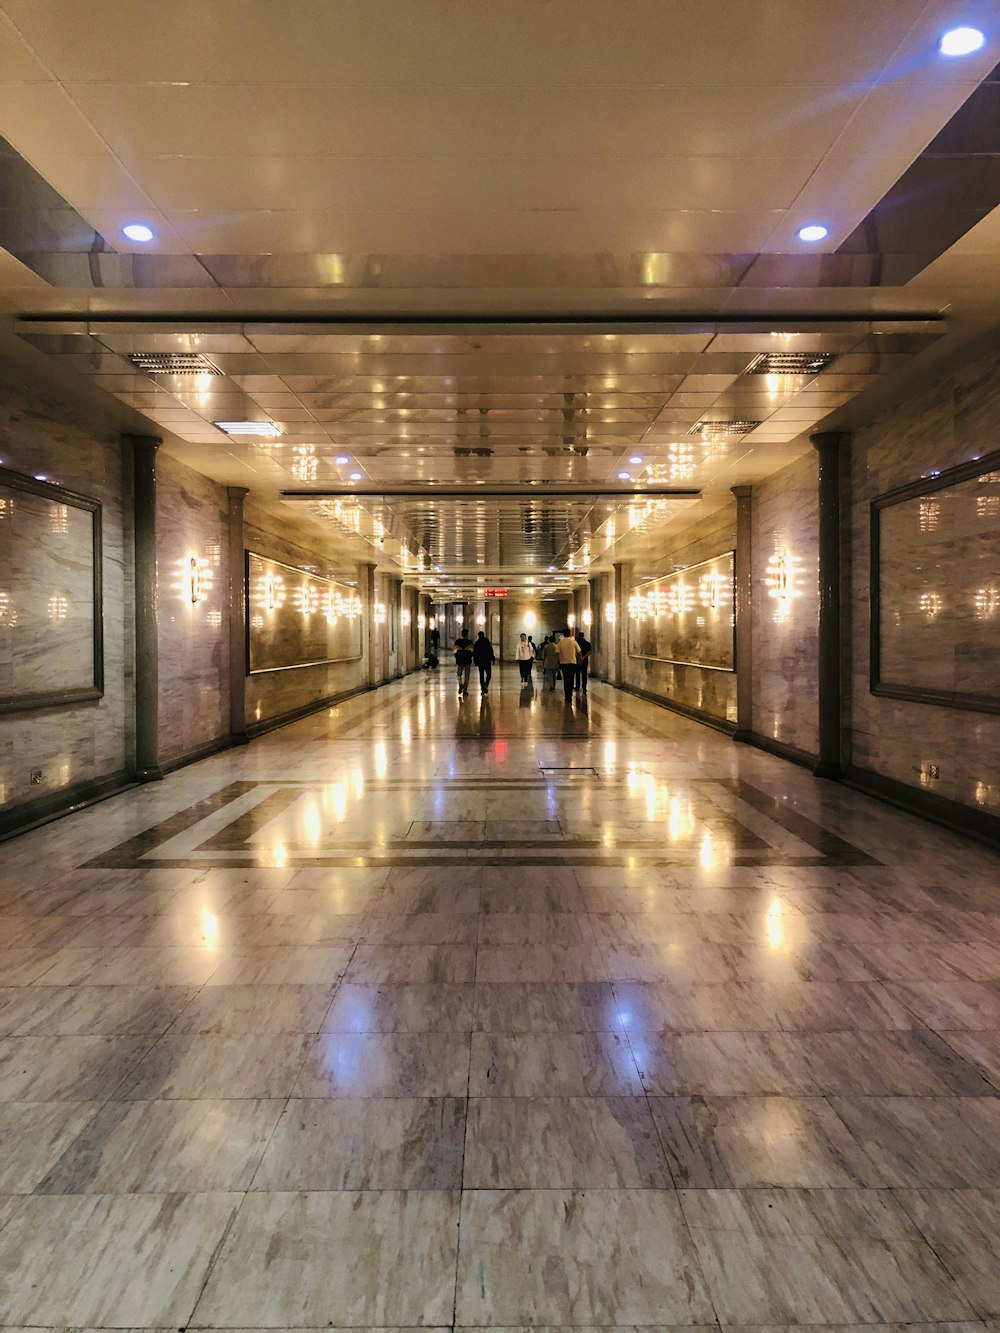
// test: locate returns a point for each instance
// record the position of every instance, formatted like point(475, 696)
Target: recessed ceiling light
point(961, 41)
point(138, 231)
point(342, 459)
point(356, 476)
point(265, 428)
point(624, 476)
point(814, 232)
point(636, 458)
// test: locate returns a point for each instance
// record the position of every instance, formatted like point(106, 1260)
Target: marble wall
point(785, 605)
point(299, 619)
point(86, 742)
point(710, 692)
point(549, 614)
point(276, 693)
point(950, 752)
point(191, 525)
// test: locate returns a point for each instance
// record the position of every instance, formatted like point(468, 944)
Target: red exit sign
point(494, 592)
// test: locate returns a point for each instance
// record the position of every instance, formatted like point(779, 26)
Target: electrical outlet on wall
point(36, 776)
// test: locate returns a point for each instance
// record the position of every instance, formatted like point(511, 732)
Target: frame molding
point(680, 661)
point(970, 703)
point(292, 666)
point(23, 703)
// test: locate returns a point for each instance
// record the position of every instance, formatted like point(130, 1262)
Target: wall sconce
point(709, 587)
point(432, 623)
point(198, 580)
point(273, 592)
point(58, 606)
point(987, 603)
point(405, 618)
point(587, 617)
point(421, 622)
point(610, 614)
point(529, 619)
point(931, 605)
point(380, 613)
point(480, 620)
point(308, 599)
point(780, 579)
point(571, 620)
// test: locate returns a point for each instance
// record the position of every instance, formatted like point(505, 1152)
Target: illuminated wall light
point(59, 519)
point(610, 614)
point(480, 620)
point(273, 592)
point(405, 619)
point(58, 606)
point(587, 617)
point(571, 620)
point(379, 613)
point(530, 619)
point(781, 579)
point(987, 506)
point(421, 622)
point(930, 515)
point(987, 603)
point(931, 605)
point(307, 599)
point(198, 578)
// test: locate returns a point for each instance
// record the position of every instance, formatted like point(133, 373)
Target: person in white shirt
point(569, 655)
point(525, 655)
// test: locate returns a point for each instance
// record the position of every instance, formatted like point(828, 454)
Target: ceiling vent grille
point(721, 430)
point(790, 363)
point(172, 363)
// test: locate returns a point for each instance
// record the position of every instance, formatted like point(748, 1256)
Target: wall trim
point(221, 743)
point(790, 752)
point(685, 710)
point(928, 805)
point(57, 804)
point(255, 729)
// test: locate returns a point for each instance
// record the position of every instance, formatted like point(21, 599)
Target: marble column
point(831, 447)
point(622, 581)
point(744, 622)
point(366, 586)
point(147, 649)
point(237, 617)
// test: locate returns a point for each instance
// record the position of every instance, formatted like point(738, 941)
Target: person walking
point(550, 662)
point(484, 657)
point(583, 666)
point(525, 656)
point(568, 652)
point(463, 661)
point(435, 640)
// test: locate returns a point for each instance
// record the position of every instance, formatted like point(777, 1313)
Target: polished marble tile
point(166, 1147)
point(34, 1136)
point(556, 1257)
point(110, 1261)
point(754, 1142)
point(422, 928)
point(961, 1227)
point(563, 1143)
point(313, 929)
point(401, 1008)
point(840, 1256)
point(283, 966)
point(951, 1142)
point(396, 1143)
point(256, 1009)
point(100, 1011)
point(386, 1064)
point(129, 966)
point(210, 1067)
point(980, 1049)
point(66, 1069)
point(546, 1006)
point(375, 964)
point(377, 1258)
point(592, 1064)
point(550, 928)
point(542, 961)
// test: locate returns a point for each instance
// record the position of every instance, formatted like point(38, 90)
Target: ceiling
point(496, 248)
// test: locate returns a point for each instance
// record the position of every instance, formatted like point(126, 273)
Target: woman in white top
point(525, 656)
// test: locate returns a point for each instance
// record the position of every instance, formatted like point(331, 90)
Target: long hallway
point(497, 1012)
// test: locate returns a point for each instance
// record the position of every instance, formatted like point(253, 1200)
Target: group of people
point(567, 654)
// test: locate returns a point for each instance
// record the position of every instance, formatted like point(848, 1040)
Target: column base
point(154, 774)
point(240, 737)
point(744, 735)
point(825, 769)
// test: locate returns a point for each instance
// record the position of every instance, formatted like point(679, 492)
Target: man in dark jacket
point(463, 661)
point(484, 657)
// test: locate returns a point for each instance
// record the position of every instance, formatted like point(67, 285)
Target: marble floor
point(497, 1014)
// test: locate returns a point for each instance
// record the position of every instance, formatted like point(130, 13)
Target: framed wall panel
point(935, 580)
point(298, 619)
point(51, 626)
point(687, 618)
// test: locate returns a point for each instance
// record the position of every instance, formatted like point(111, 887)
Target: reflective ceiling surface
point(502, 250)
